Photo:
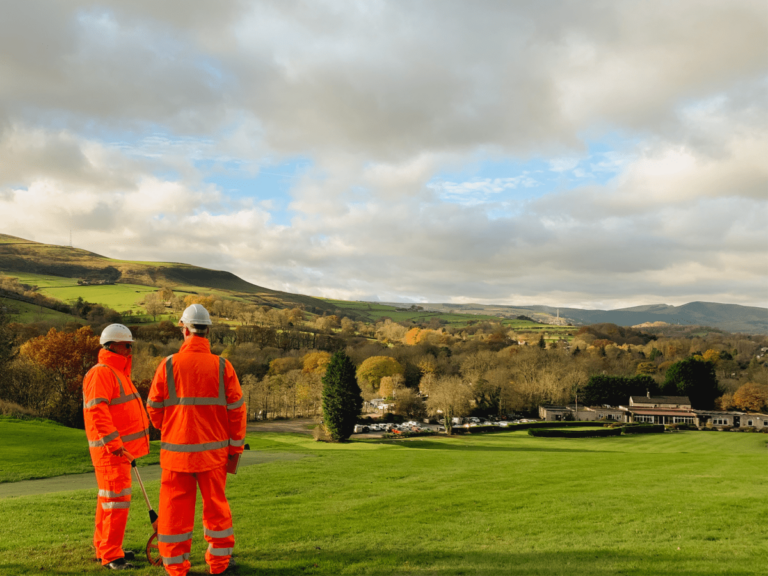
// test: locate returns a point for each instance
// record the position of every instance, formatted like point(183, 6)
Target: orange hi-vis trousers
point(112, 510)
point(178, 491)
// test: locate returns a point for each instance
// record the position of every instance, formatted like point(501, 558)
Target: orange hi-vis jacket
point(197, 404)
point(113, 411)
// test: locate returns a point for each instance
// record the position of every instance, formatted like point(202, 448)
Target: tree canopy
point(616, 390)
point(693, 378)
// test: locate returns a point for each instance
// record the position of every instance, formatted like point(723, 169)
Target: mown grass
point(42, 449)
point(684, 504)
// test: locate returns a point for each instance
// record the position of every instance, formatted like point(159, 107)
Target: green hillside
point(57, 269)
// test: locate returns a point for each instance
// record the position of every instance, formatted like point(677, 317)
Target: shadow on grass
point(387, 562)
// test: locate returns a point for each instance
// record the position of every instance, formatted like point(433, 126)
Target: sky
point(591, 154)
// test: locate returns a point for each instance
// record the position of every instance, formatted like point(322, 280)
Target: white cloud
point(114, 115)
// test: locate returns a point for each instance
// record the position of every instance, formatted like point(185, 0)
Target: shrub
point(16, 411)
point(555, 433)
point(726, 428)
point(644, 429)
point(320, 434)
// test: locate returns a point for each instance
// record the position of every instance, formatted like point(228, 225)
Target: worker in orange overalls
point(197, 404)
point(117, 429)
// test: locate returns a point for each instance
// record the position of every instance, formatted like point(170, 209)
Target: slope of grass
point(24, 312)
point(43, 449)
point(675, 504)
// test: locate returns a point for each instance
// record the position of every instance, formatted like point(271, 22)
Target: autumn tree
point(752, 397)
point(390, 386)
point(342, 401)
point(315, 362)
point(449, 396)
point(409, 404)
point(373, 369)
point(153, 304)
point(67, 356)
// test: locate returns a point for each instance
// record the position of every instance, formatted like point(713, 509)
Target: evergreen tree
point(693, 378)
point(342, 401)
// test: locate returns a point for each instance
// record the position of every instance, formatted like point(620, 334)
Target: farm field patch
point(674, 504)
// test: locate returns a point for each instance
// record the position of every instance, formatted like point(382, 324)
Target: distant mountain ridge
point(730, 317)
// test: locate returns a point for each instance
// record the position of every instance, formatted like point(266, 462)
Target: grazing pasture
point(674, 504)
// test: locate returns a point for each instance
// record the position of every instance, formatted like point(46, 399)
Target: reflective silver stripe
point(108, 494)
point(169, 380)
point(103, 441)
point(112, 505)
point(237, 442)
point(220, 551)
point(236, 404)
point(124, 399)
point(135, 435)
point(152, 404)
point(173, 398)
point(92, 403)
point(198, 401)
point(218, 533)
point(175, 559)
point(193, 447)
point(174, 538)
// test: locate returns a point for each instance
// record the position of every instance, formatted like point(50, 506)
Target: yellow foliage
point(284, 365)
point(316, 362)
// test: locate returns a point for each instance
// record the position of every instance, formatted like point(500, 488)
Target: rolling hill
point(729, 317)
point(57, 269)
point(26, 258)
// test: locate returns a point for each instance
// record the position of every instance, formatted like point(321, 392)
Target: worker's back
point(194, 400)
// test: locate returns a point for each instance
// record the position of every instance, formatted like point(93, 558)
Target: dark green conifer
point(342, 401)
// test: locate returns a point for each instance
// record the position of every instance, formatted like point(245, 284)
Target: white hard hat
point(196, 314)
point(115, 333)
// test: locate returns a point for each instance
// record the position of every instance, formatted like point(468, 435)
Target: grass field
point(375, 312)
point(25, 312)
point(43, 449)
point(684, 504)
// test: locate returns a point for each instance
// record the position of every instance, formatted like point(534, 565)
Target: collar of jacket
point(116, 361)
point(196, 344)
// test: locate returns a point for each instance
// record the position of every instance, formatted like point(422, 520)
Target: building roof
point(663, 412)
point(660, 400)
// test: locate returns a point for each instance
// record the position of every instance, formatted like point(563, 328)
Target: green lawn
point(684, 504)
point(42, 449)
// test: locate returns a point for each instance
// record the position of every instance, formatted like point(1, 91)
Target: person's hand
point(120, 452)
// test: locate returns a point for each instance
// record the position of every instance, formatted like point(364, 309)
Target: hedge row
point(647, 429)
point(558, 433)
point(460, 429)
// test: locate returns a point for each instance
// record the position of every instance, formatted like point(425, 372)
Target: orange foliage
point(70, 354)
point(751, 396)
point(412, 336)
point(206, 301)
